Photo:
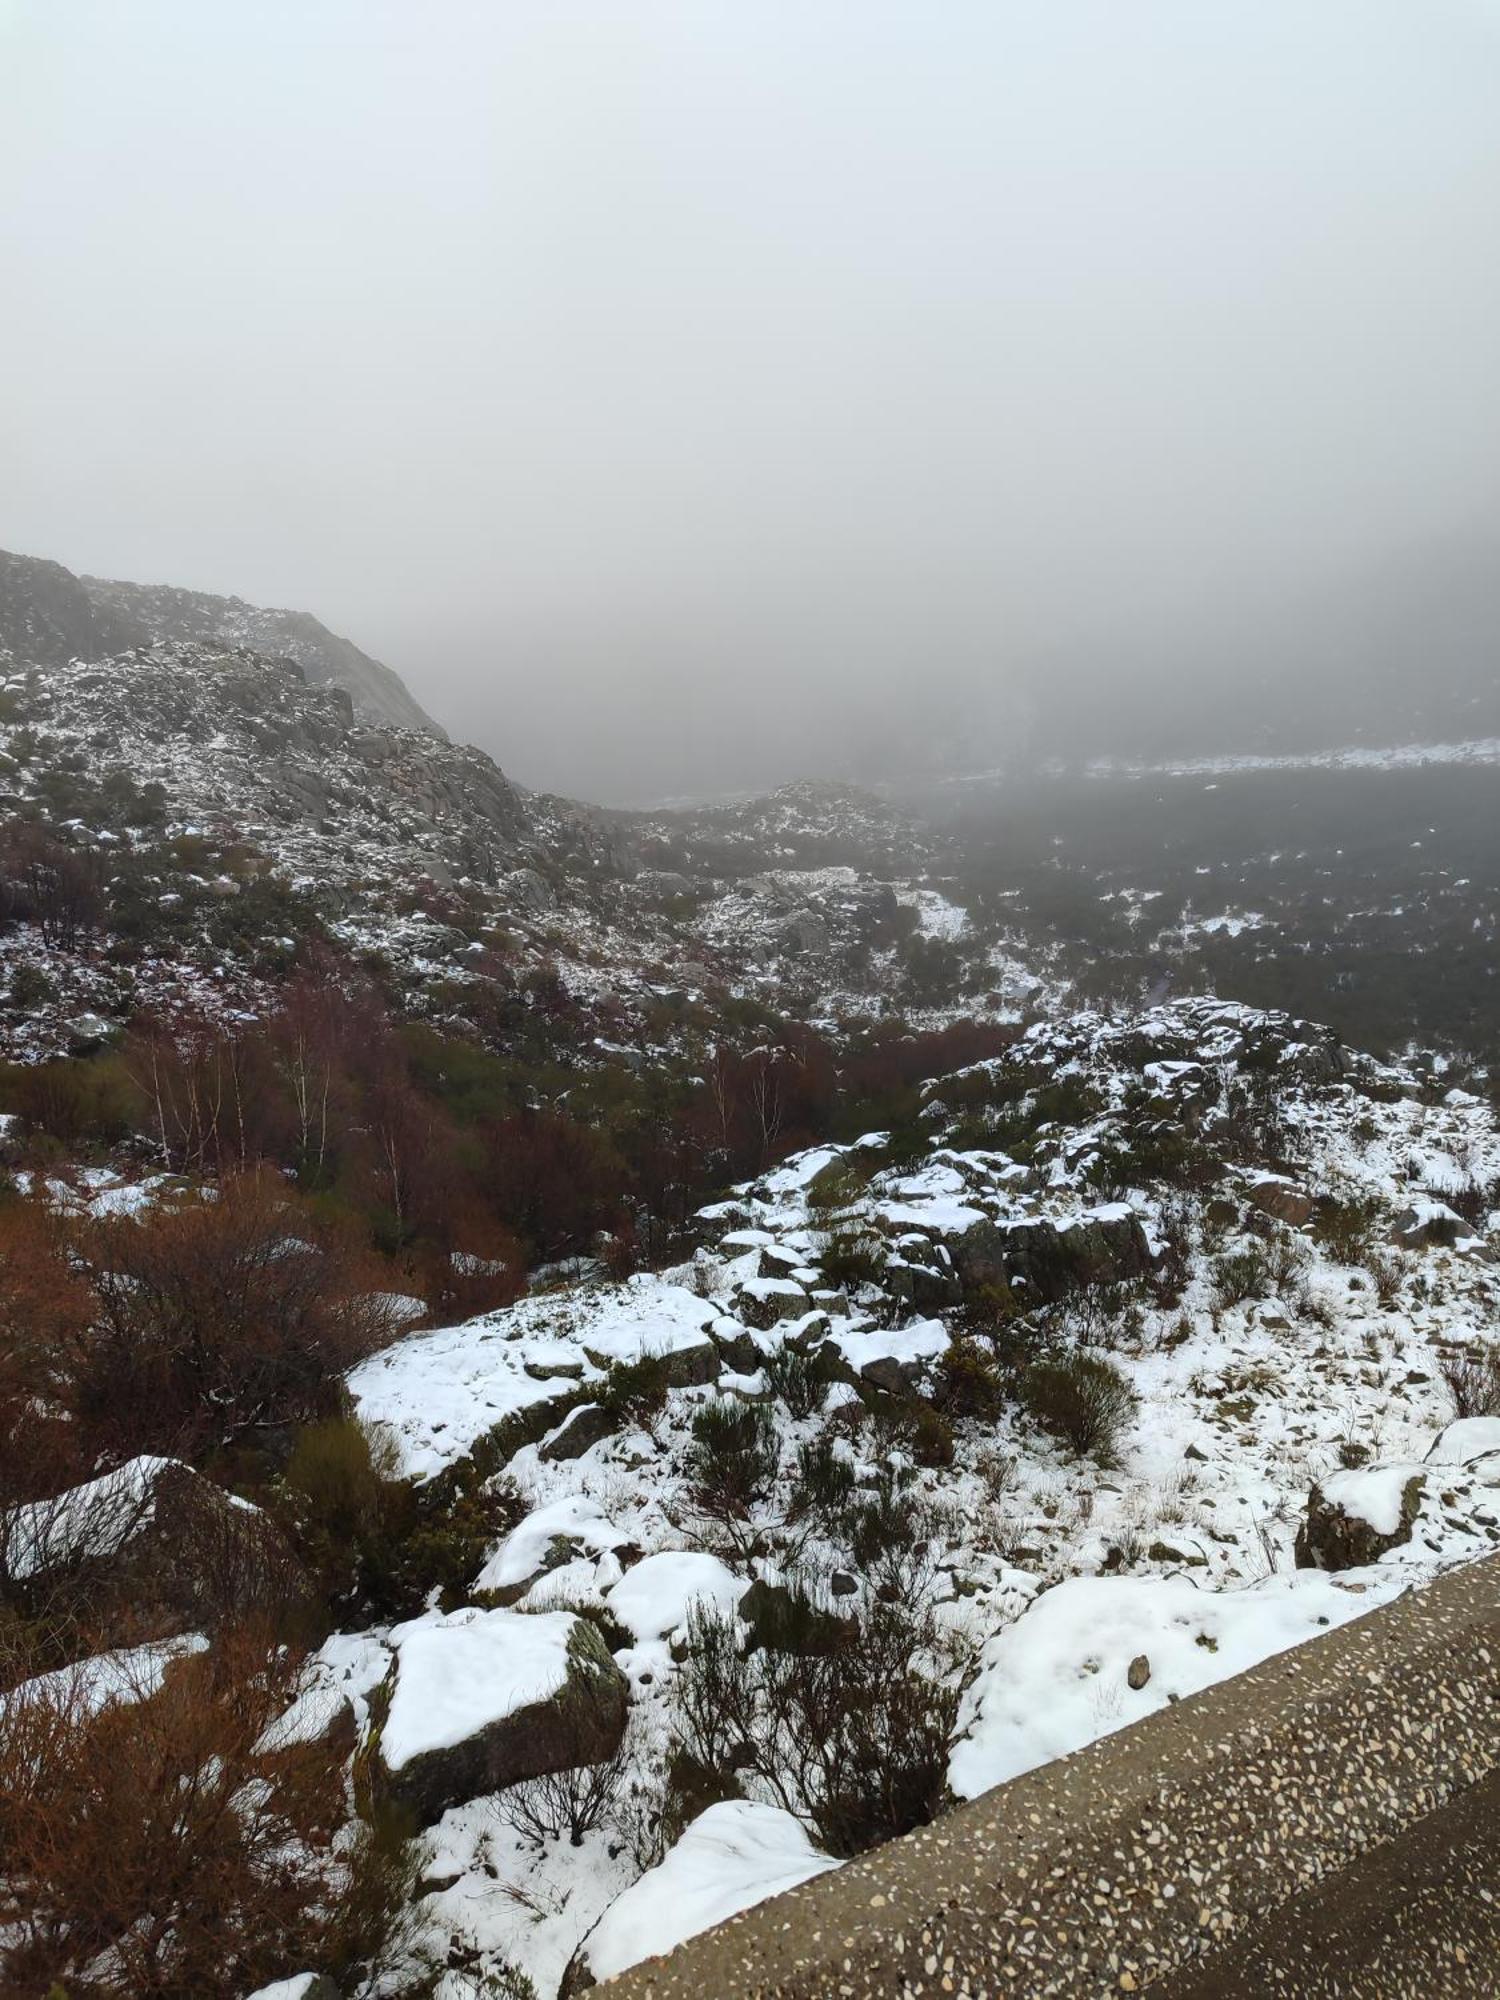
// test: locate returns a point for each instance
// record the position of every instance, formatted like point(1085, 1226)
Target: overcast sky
point(695, 395)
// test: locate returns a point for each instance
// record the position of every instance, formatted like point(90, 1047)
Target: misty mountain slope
point(379, 694)
point(49, 616)
point(195, 784)
point(1017, 1342)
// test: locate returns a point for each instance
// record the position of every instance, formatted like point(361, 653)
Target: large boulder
point(1276, 1196)
point(761, 1302)
point(688, 1362)
point(1050, 1259)
point(1354, 1517)
point(1429, 1224)
point(484, 1699)
point(150, 1549)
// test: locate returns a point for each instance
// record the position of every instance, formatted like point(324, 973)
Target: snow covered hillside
point(1273, 1257)
point(572, 1370)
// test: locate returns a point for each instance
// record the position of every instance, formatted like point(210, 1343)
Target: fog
point(688, 397)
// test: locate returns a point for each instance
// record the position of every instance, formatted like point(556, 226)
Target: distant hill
point(49, 616)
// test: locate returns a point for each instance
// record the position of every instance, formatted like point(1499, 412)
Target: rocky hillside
point(48, 616)
point(572, 1369)
point(1165, 1346)
point(191, 772)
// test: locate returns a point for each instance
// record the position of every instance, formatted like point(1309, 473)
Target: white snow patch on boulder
point(573, 1518)
point(908, 1345)
point(656, 1597)
point(732, 1856)
point(1371, 1493)
point(458, 1672)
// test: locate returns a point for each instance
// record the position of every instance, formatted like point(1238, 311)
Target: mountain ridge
point(49, 615)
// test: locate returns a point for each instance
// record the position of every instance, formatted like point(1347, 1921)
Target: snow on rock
point(484, 1699)
point(574, 1518)
point(129, 1674)
point(656, 1597)
point(1373, 1494)
point(732, 1856)
point(1356, 1517)
point(1059, 1676)
point(87, 1523)
point(336, 1682)
point(885, 1349)
point(1463, 1442)
point(440, 1392)
point(459, 1672)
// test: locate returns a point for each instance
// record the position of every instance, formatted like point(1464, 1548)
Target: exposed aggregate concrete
point(1112, 1870)
point(1417, 1918)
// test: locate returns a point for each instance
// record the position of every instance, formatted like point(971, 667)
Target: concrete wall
point(1113, 1868)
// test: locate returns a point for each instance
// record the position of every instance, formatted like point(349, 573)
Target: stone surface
point(581, 1429)
point(1276, 1197)
point(582, 1723)
point(1335, 1537)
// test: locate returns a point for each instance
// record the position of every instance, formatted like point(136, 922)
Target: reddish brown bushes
point(210, 1317)
point(153, 1849)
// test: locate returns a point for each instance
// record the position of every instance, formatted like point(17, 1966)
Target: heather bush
point(1082, 1399)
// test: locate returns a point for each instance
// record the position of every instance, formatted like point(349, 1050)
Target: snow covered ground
point(1086, 1594)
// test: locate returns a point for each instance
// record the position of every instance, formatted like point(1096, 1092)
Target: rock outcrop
point(484, 1699)
point(1354, 1517)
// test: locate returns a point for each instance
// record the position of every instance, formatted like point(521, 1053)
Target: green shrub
point(1347, 1229)
point(1082, 1399)
point(636, 1391)
point(931, 1438)
point(798, 1379)
point(30, 987)
point(878, 1522)
point(375, 1544)
point(824, 1478)
point(1239, 1275)
point(968, 1382)
point(732, 1457)
point(850, 1257)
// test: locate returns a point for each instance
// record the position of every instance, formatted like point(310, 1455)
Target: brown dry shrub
point(154, 1852)
point(215, 1316)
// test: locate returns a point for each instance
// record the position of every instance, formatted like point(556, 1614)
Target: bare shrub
point(572, 1802)
point(153, 1850)
point(1473, 1380)
point(212, 1317)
